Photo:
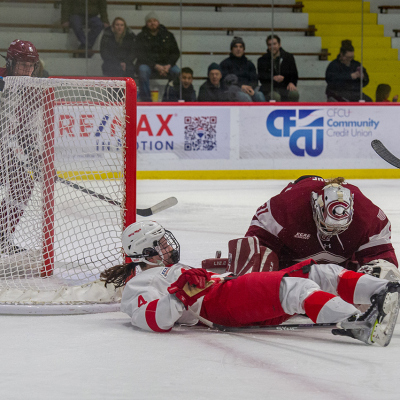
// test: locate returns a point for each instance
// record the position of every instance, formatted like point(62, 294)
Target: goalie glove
point(381, 269)
point(191, 285)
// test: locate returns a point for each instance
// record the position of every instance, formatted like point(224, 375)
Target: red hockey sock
point(314, 303)
point(347, 285)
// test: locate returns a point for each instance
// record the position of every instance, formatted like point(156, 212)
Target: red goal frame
point(129, 173)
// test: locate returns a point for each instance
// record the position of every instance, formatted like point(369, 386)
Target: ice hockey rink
point(101, 356)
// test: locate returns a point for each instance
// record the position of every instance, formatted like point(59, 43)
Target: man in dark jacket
point(238, 65)
point(213, 89)
point(73, 14)
point(343, 76)
point(285, 74)
point(157, 53)
point(173, 88)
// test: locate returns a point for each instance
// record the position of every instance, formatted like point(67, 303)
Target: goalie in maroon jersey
point(330, 221)
point(159, 291)
point(22, 59)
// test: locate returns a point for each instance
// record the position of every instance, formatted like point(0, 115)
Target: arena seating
point(207, 30)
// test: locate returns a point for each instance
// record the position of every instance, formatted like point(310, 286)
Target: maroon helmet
point(21, 50)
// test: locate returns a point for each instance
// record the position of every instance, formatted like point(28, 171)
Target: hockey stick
point(384, 153)
point(258, 328)
point(143, 212)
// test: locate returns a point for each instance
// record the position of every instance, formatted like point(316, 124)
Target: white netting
point(76, 129)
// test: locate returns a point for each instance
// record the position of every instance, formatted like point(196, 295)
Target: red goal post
point(77, 129)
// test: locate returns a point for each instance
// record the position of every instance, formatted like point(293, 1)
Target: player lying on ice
point(165, 292)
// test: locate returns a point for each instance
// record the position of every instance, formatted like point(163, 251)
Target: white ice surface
point(102, 356)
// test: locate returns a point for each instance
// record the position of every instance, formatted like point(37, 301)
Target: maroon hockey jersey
point(285, 224)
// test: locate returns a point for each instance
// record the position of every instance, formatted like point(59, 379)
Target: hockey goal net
point(67, 189)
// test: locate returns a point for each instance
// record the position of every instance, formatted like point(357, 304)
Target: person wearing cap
point(157, 54)
point(285, 74)
point(238, 65)
point(73, 15)
point(214, 89)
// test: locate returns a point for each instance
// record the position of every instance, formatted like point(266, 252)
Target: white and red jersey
point(285, 224)
point(146, 300)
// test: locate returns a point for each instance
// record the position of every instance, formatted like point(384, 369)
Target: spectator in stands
point(238, 65)
point(214, 89)
point(173, 89)
point(73, 14)
point(344, 76)
point(117, 49)
point(383, 93)
point(285, 74)
point(157, 53)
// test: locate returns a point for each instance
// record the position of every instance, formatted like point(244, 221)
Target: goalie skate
point(26, 263)
point(377, 324)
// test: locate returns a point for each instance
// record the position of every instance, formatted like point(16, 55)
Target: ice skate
point(377, 324)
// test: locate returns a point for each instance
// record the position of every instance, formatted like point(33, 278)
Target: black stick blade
point(384, 153)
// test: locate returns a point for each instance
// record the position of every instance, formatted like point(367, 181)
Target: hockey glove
point(381, 269)
point(191, 285)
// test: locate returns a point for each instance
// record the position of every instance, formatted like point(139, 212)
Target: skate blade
point(383, 332)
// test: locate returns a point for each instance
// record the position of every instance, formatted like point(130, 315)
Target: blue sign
point(296, 129)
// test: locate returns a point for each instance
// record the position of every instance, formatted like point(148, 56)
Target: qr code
point(200, 133)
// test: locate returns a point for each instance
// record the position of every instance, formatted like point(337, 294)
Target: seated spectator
point(117, 49)
point(285, 74)
point(383, 93)
point(344, 75)
point(173, 89)
point(237, 64)
point(213, 89)
point(157, 53)
point(73, 14)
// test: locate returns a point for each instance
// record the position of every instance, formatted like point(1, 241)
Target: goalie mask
point(143, 240)
point(332, 209)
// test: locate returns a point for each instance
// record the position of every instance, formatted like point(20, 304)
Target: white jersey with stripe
point(146, 300)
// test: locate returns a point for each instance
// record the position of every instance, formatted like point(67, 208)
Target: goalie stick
point(384, 153)
point(143, 212)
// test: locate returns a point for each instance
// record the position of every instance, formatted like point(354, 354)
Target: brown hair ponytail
point(119, 274)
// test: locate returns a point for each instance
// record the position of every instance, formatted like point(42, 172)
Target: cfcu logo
point(303, 128)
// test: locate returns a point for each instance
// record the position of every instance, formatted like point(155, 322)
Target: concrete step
point(333, 43)
point(49, 15)
point(349, 30)
point(370, 54)
point(390, 22)
point(348, 6)
point(340, 18)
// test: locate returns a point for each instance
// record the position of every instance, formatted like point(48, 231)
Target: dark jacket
point(159, 49)
point(209, 92)
point(78, 7)
point(284, 65)
point(113, 53)
point(243, 68)
point(172, 93)
point(340, 83)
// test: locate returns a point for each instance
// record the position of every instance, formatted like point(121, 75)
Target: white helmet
point(332, 209)
point(141, 240)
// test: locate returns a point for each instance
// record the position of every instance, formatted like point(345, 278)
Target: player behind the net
point(21, 61)
point(159, 292)
point(330, 221)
